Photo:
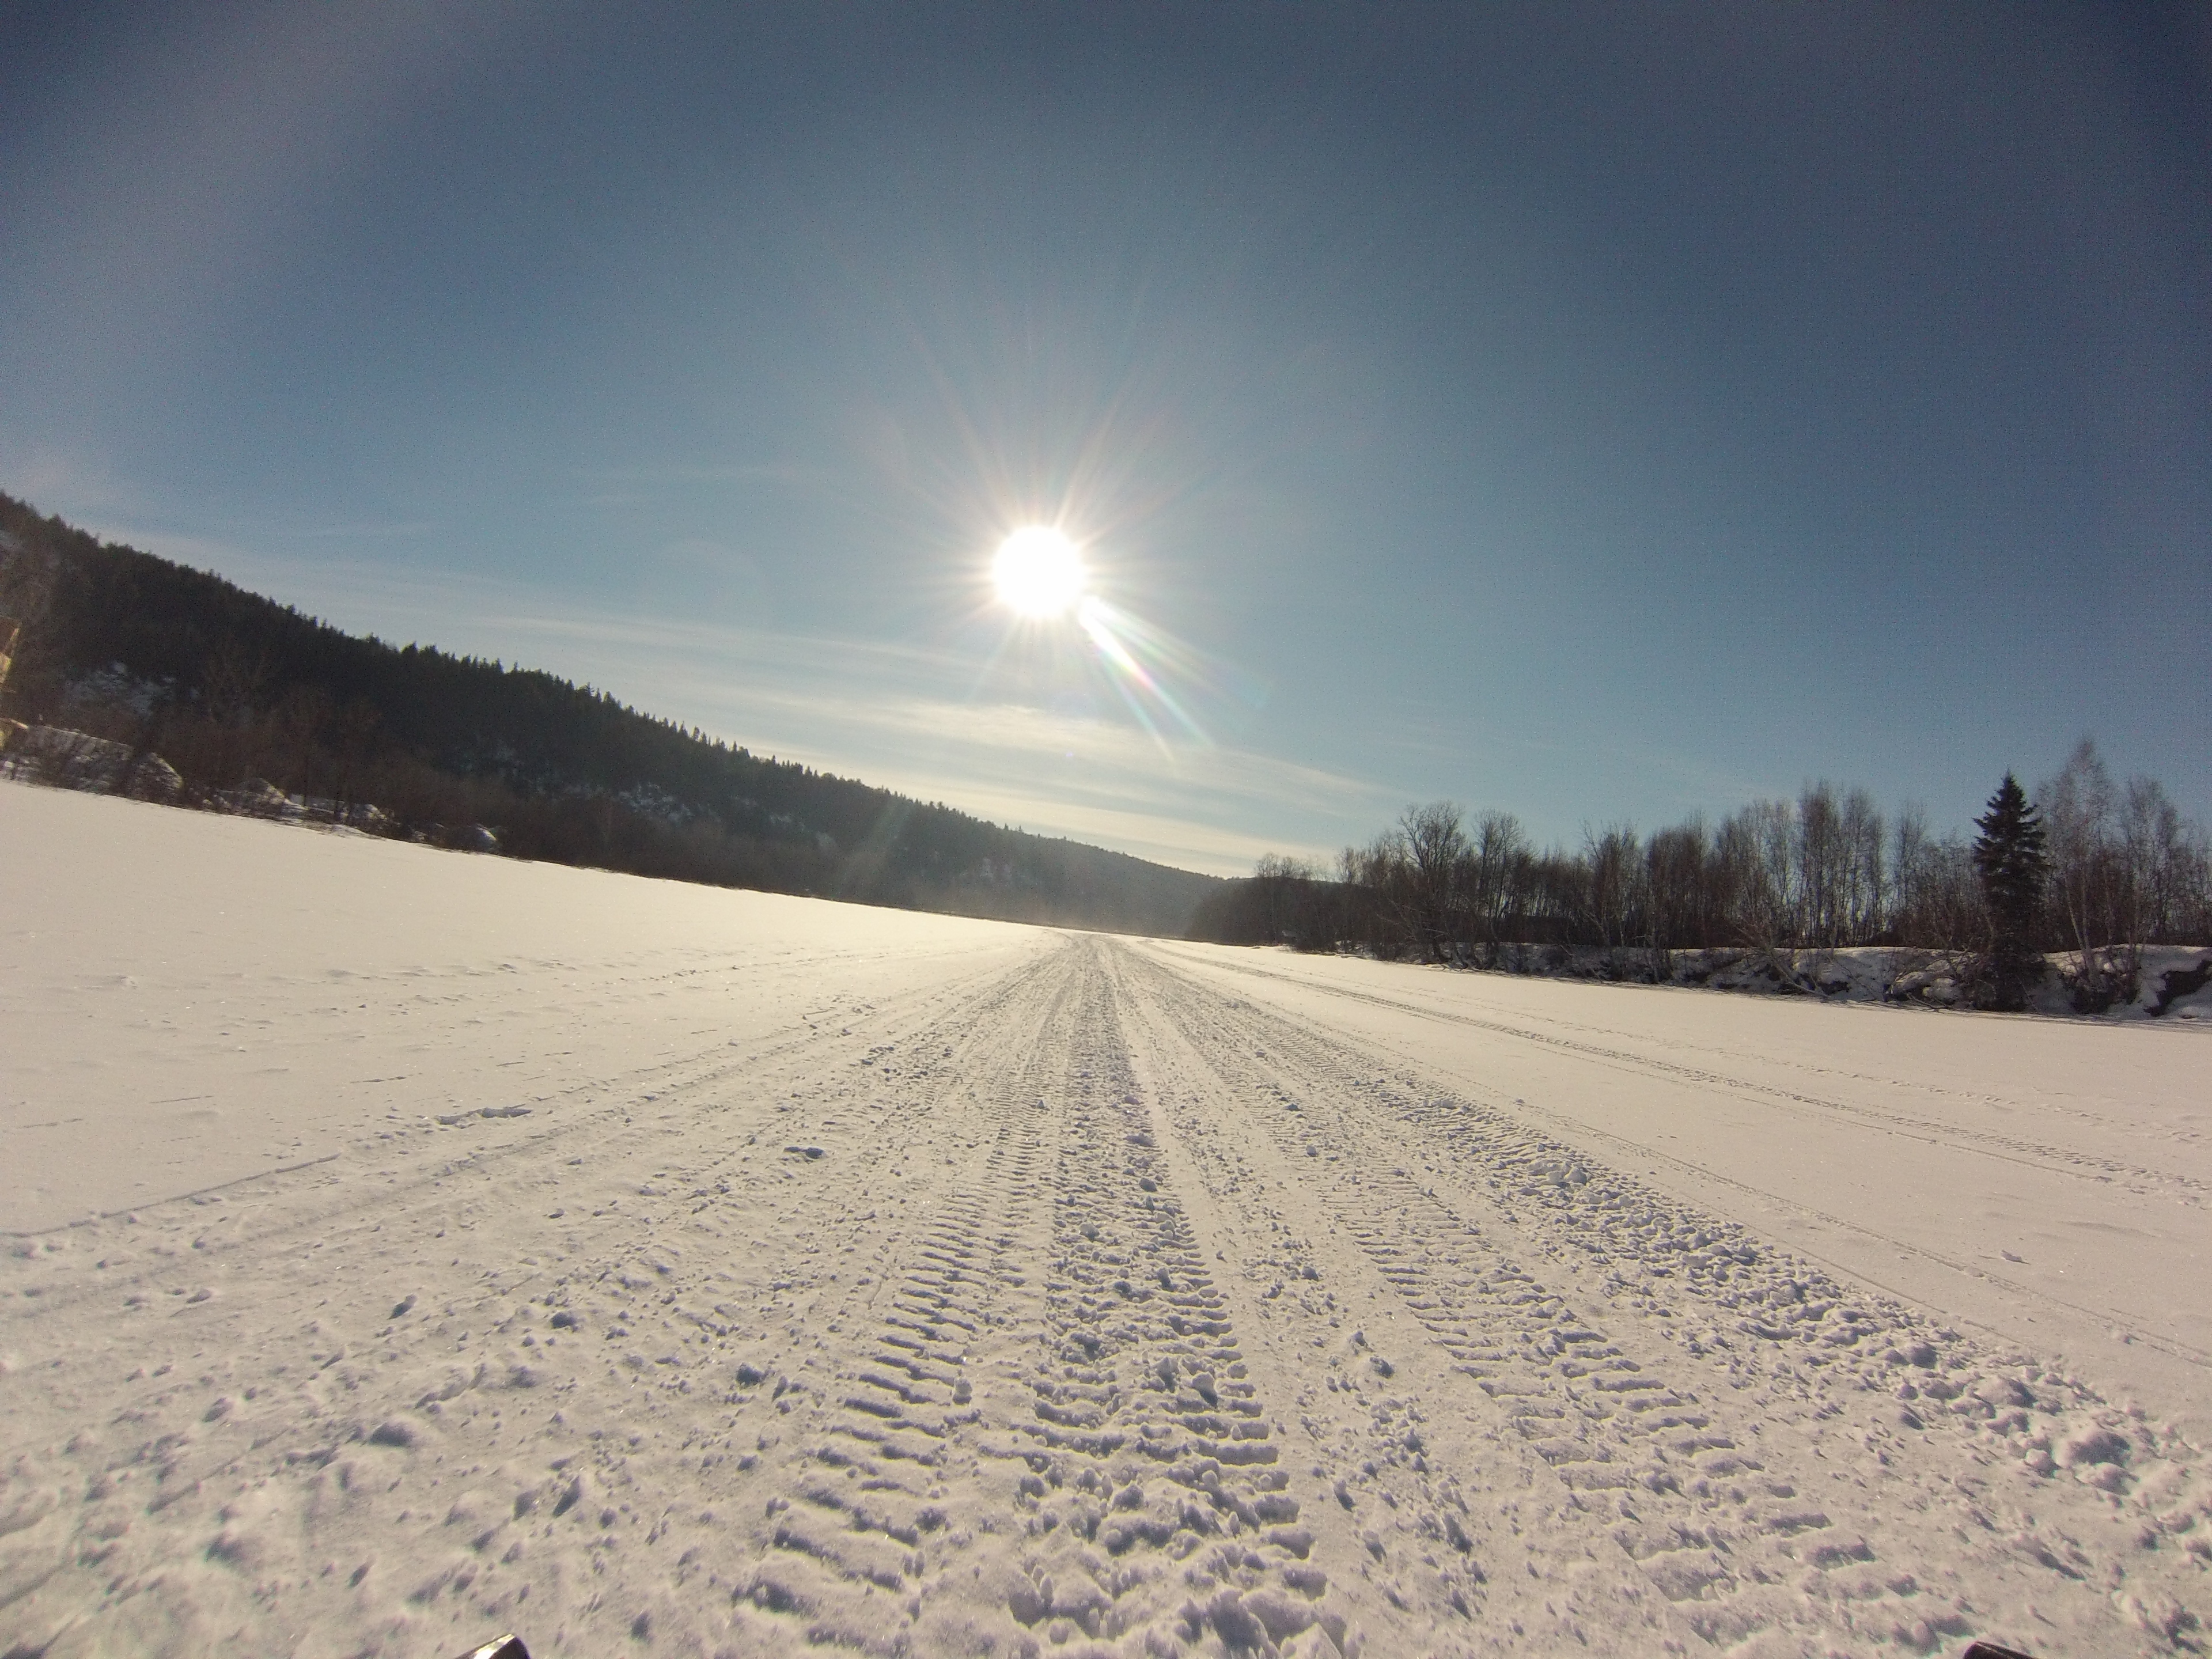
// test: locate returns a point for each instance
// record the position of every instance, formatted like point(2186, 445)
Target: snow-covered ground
point(408, 1245)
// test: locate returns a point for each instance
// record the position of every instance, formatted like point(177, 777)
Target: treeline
point(228, 687)
point(2122, 868)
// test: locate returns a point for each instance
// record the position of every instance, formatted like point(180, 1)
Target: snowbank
point(77, 760)
point(2175, 981)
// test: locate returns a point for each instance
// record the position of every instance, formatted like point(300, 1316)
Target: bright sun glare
point(1037, 572)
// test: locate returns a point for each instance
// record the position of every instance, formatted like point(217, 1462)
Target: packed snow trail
point(978, 1291)
point(1082, 1307)
point(2047, 1180)
point(1781, 1457)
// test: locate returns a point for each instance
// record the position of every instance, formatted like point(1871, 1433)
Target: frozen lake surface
point(406, 1246)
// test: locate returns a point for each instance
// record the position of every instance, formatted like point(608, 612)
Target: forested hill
point(227, 685)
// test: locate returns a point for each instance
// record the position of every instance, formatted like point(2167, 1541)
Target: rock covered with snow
point(77, 760)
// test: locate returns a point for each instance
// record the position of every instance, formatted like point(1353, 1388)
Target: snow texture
point(405, 1246)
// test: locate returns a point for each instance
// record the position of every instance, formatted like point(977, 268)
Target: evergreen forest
point(253, 706)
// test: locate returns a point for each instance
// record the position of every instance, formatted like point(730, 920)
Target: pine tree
point(2009, 857)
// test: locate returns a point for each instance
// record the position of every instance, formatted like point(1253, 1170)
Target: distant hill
point(228, 686)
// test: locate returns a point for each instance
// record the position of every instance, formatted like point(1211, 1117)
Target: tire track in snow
point(2034, 1155)
point(1221, 1395)
point(1460, 1519)
point(1985, 1143)
point(1040, 1433)
point(1157, 1514)
point(594, 1346)
point(877, 1499)
point(1719, 1477)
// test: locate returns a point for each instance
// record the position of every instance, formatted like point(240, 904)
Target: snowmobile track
point(1073, 1307)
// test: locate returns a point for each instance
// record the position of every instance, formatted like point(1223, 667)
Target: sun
point(1037, 572)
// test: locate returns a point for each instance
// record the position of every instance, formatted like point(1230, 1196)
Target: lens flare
point(1139, 661)
point(1038, 573)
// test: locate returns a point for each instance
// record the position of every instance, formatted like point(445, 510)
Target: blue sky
point(1602, 413)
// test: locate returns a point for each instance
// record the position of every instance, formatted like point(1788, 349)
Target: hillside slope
point(227, 685)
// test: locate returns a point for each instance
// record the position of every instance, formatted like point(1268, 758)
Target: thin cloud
point(780, 472)
point(899, 716)
point(403, 529)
